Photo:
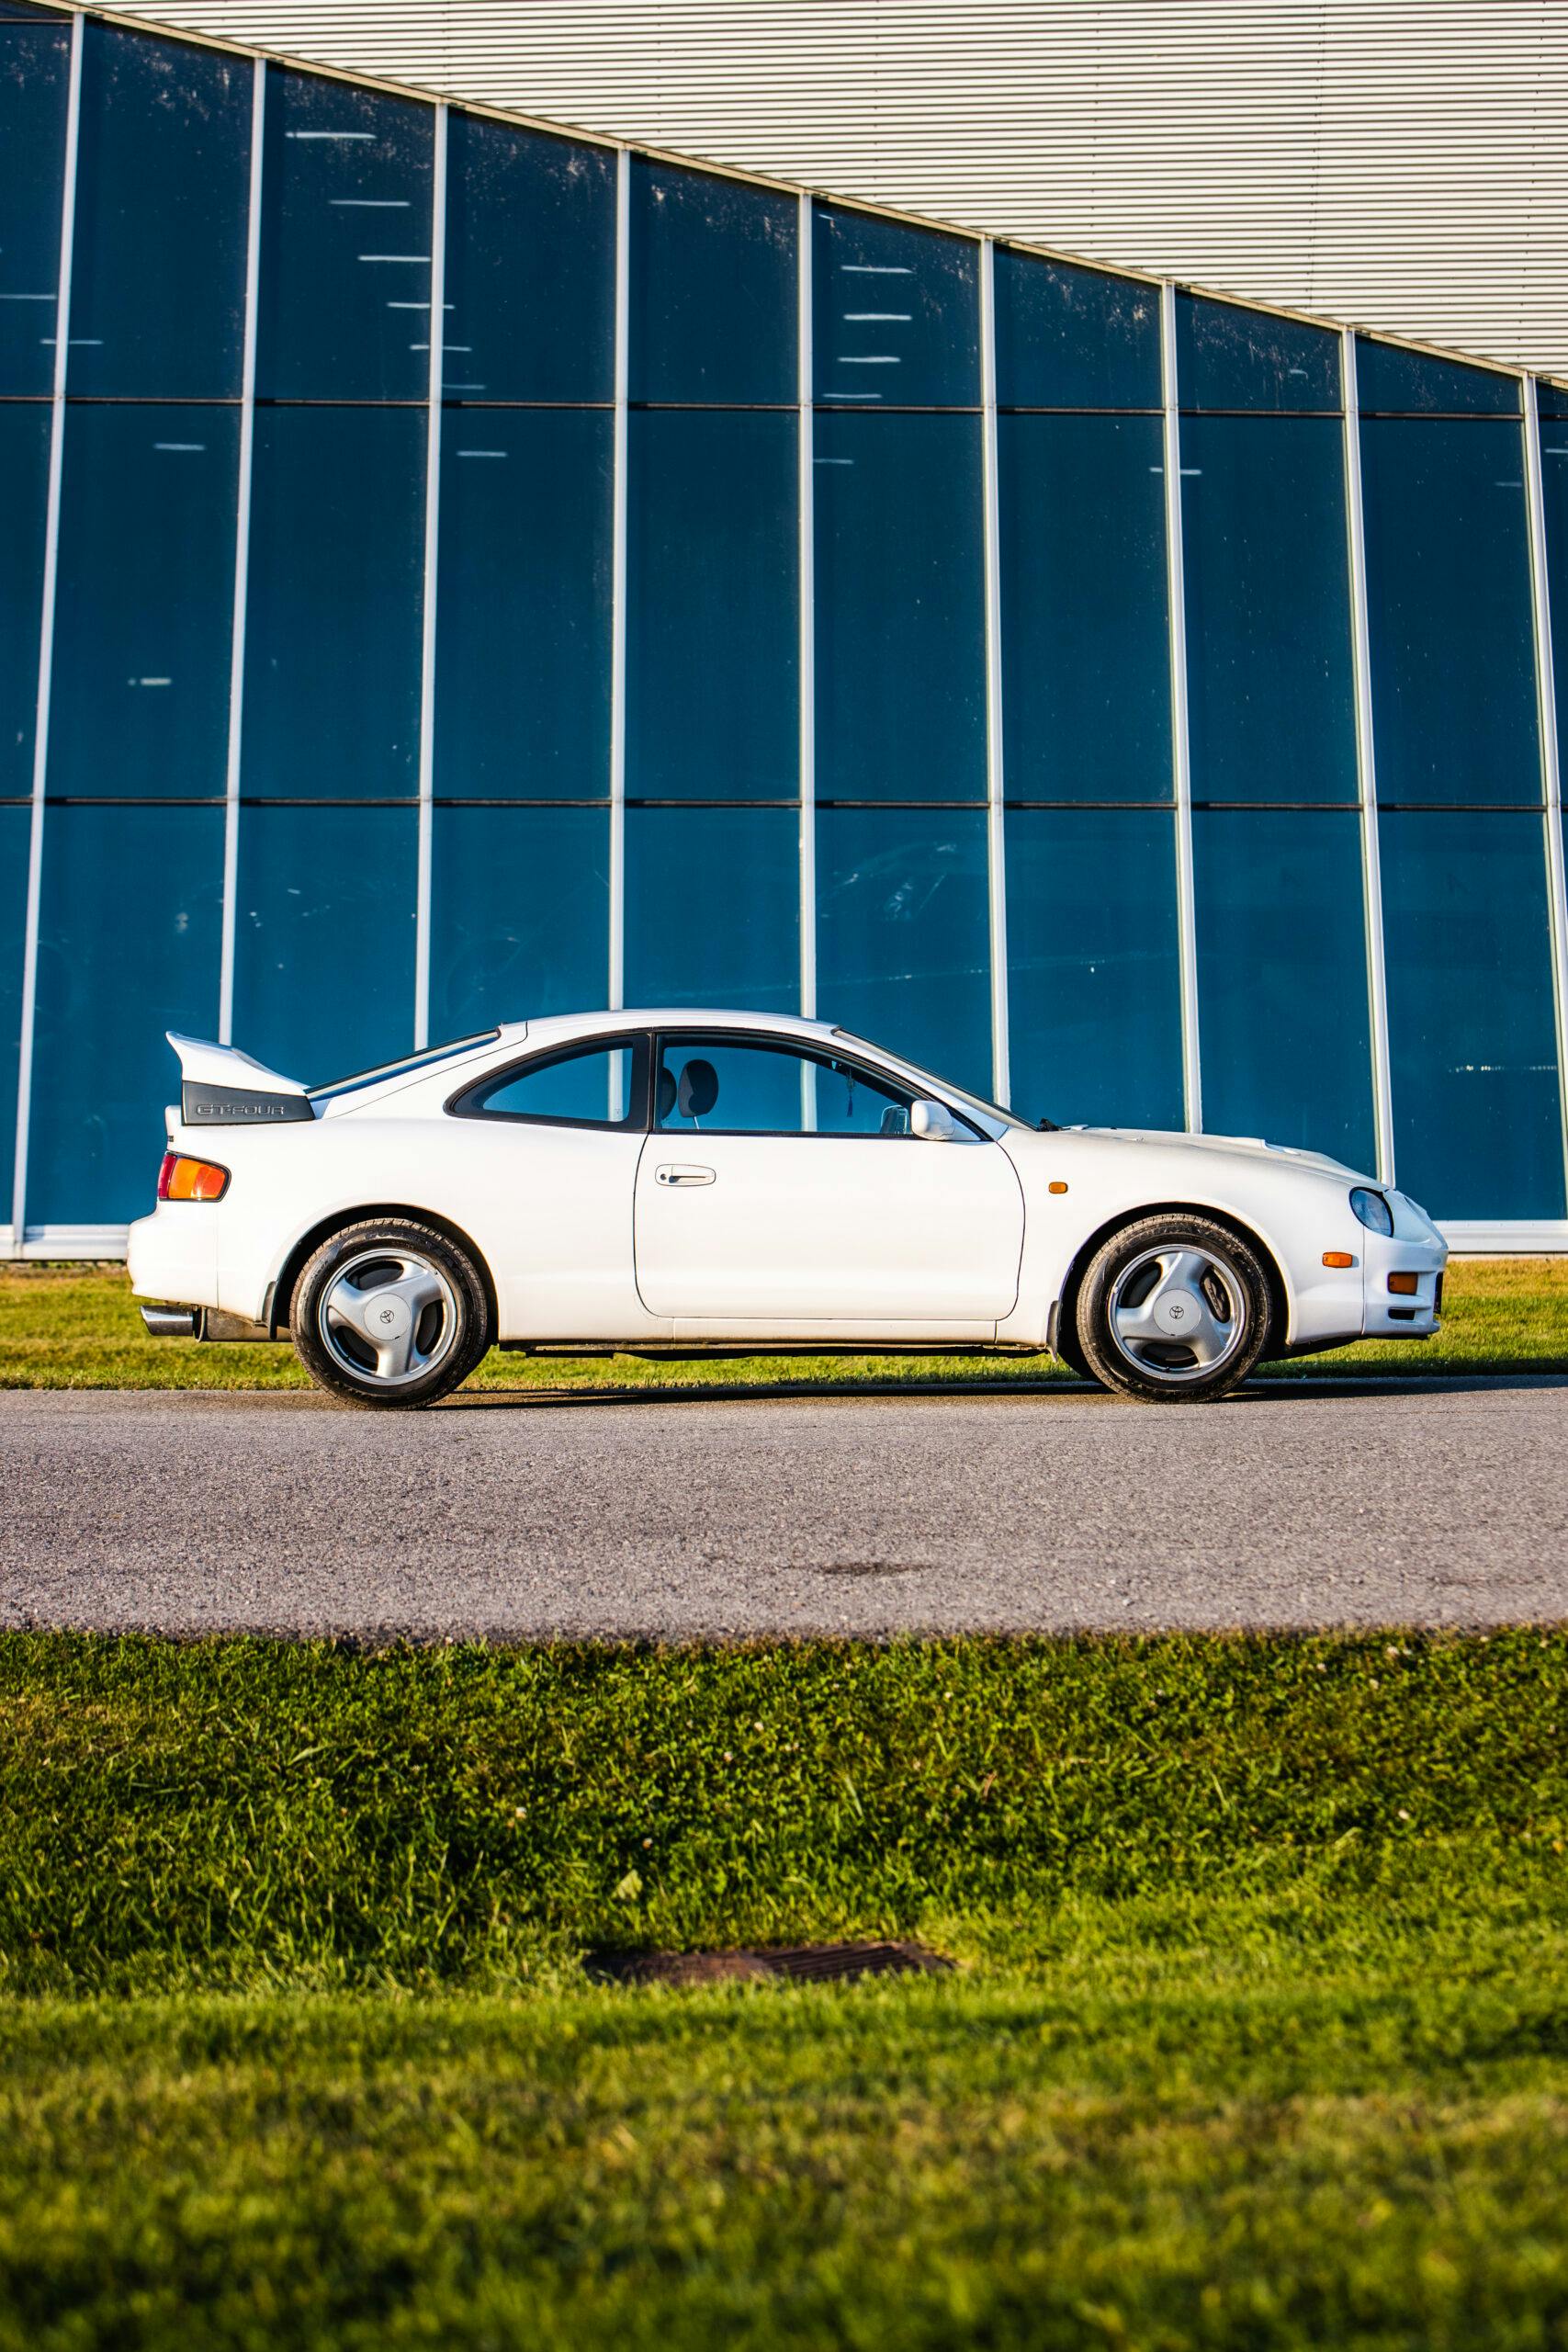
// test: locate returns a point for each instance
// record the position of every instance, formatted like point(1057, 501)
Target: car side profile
point(683, 1183)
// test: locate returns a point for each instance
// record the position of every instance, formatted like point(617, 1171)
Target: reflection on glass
point(1229, 357)
point(712, 897)
point(1074, 339)
point(35, 64)
point(899, 608)
point(24, 488)
point(530, 265)
point(1086, 645)
point(1450, 616)
point(1397, 382)
point(1477, 1125)
point(896, 313)
point(324, 938)
point(108, 990)
point(712, 638)
point(163, 193)
point(1094, 988)
point(344, 310)
point(903, 937)
point(145, 601)
point(1282, 979)
point(523, 649)
point(520, 914)
point(713, 288)
point(333, 640)
point(579, 1089)
point(1270, 684)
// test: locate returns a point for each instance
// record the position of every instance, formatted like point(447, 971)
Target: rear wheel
point(389, 1312)
point(1173, 1309)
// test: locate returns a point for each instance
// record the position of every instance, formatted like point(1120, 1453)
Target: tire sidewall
point(391, 1233)
point(1105, 1359)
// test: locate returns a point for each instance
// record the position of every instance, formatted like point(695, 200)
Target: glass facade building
point(454, 571)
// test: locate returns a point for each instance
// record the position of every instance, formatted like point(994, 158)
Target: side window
point(723, 1086)
point(595, 1086)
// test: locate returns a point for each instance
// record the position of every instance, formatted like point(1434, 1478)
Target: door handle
point(682, 1172)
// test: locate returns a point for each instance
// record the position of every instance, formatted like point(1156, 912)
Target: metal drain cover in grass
point(815, 1962)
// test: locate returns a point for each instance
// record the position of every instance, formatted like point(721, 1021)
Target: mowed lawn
point(1258, 2038)
point(73, 1326)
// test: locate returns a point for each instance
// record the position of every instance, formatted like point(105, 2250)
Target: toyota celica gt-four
point(689, 1183)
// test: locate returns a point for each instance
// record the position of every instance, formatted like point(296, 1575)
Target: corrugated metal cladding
point(1395, 163)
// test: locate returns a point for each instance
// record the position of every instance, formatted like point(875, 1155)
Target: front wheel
point(1173, 1309)
point(389, 1312)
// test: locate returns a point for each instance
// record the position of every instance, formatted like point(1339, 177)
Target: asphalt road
point(1336, 1503)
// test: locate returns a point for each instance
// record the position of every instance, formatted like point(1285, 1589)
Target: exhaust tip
point(173, 1322)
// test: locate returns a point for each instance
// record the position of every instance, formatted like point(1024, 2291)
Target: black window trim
point(803, 1049)
point(637, 1120)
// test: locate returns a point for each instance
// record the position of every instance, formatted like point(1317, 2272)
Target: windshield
point(398, 1070)
point(938, 1085)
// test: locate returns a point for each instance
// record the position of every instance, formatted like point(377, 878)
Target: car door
point(781, 1191)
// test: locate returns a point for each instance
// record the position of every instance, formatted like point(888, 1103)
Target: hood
point(1233, 1147)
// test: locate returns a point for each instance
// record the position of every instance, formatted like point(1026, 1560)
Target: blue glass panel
point(1271, 682)
point(520, 922)
point(903, 934)
point(712, 907)
point(1551, 399)
point(145, 601)
point(1230, 357)
point(1074, 339)
point(896, 313)
point(1094, 985)
point(1086, 647)
point(530, 265)
point(324, 938)
point(162, 192)
point(1477, 1125)
point(1282, 979)
point(336, 590)
point(24, 491)
point(128, 944)
point(1448, 611)
point(345, 243)
point(16, 831)
point(1554, 511)
point(900, 611)
point(35, 64)
point(713, 288)
point(712, 633)
point(1409, 383)
point(522, 604)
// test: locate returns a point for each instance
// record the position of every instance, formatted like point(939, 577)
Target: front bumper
point(1415, 1249)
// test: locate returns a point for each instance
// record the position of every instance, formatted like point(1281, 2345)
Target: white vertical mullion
point(1365, 761)
point(241, 564)
point(1182, 764)
point(996, 836)
point(1550, 761)
point(46, 637)
point(618, 589)
point(806, 591)
point(431, 556)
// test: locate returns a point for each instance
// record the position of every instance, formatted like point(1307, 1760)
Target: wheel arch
point(281, 1292)
point(1065, 1310)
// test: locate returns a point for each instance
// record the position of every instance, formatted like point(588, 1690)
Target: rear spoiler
point(221, 1087)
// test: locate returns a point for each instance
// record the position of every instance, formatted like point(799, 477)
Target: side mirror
point(934, 1121)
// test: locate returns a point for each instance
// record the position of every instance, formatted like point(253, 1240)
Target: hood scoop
point(221, 1087)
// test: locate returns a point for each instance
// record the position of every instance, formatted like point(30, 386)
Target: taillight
point(180, 1178)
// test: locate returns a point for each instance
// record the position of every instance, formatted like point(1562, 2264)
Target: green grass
point(1260, 2037)
point(78, 1328)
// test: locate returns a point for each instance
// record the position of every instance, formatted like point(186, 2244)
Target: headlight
point(1372, 1210)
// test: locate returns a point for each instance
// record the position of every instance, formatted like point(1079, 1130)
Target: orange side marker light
point(1403, 1284)
point(1337, 1258)
point(1058, 1187)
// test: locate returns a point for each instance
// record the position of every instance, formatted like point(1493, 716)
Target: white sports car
point(694, 1184)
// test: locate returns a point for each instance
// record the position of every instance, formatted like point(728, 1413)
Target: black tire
point(1068, 1346)
point(1163, 1332)
point(427, 1291)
